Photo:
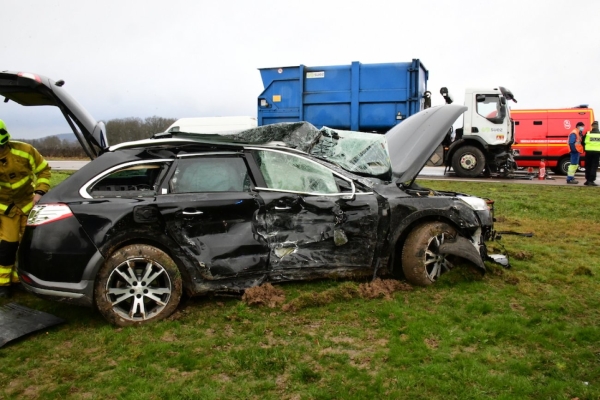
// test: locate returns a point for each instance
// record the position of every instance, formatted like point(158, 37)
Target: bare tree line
point(118, 131)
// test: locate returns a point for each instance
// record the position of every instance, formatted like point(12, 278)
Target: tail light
point(30, 76)
point(46, 213)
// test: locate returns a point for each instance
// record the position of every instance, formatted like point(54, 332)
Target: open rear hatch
point(29, 89)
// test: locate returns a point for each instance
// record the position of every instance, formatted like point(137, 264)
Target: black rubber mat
point(17, 321)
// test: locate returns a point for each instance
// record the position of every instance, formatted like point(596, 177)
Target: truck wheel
point(562, 167)
point(138, 284)
point(468, 161)
point(421, 262)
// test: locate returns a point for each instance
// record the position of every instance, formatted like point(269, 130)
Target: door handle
point(192, 213)
point(283, 208)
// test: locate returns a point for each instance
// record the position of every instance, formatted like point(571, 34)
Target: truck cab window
point(491, 108)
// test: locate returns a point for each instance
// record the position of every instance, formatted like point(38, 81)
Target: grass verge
point(530, 332)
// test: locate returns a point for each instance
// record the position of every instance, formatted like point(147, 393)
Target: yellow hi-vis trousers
point(12, 227)
point(571, 170)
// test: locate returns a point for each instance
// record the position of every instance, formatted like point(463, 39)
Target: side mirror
point(447, 96)
point(502, 100)
point(480, 98)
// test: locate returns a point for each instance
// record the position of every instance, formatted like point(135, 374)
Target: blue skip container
point(357, 97)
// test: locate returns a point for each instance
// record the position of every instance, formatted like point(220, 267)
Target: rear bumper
point(81, 294)
point(78, 293)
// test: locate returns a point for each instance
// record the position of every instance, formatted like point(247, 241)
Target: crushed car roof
point(399, 154)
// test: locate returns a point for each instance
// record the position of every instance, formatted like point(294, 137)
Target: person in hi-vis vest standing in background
point(576, 149)
point(592, 154)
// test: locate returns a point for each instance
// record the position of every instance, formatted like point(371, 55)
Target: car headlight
point(476, 203)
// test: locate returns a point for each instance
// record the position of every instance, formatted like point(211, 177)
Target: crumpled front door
point(312, 232)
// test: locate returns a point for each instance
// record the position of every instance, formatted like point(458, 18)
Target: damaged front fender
point(463, 248)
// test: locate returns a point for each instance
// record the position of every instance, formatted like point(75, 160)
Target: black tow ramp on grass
point(17, 321)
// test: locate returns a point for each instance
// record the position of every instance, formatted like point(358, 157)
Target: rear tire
point(421, 262)
point(138, 284)
point(468, 162)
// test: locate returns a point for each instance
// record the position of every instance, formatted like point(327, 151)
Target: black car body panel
point(220, 233)
point(58, 252)
point(308, 232)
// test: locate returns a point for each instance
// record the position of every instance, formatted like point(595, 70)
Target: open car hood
point(29, 89)
point(412, 142)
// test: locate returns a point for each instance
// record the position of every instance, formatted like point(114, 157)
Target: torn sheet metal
point(319, 231)
point(500, 259)
point(17, 321)
point(463, 248)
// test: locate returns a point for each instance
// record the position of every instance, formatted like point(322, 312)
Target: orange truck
point(543, 134)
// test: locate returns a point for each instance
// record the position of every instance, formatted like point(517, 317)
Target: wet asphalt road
point(437, 173)
point(427, 173)
point(67, 165)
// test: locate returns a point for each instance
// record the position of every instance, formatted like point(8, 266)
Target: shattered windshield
point(364, 154)
point(357, 152)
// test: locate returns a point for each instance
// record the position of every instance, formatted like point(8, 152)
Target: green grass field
point(530, 332)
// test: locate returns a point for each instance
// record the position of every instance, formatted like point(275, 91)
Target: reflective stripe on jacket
point(22, 170)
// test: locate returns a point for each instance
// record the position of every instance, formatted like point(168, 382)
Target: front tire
point(421, 262)
point(468, 162)
point(137, 285)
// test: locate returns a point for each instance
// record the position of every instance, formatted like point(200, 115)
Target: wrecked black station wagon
point(148, 221)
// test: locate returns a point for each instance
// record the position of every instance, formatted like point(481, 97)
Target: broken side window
point(284, 171)
point(210, 174)
point(138, 180)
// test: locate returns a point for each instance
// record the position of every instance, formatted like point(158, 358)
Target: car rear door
point(210, 210)
point(315, 218)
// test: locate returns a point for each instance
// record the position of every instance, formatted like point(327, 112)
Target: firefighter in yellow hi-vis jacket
point(24, 179)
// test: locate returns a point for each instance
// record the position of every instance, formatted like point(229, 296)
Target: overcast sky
point(178, 59)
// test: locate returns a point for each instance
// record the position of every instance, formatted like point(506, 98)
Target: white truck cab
point(484, 141)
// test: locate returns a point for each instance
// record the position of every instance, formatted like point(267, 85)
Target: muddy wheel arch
point(137, 284)
point(430, 247)
point(397, 245)
point(422, 264)
point(161, 242)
